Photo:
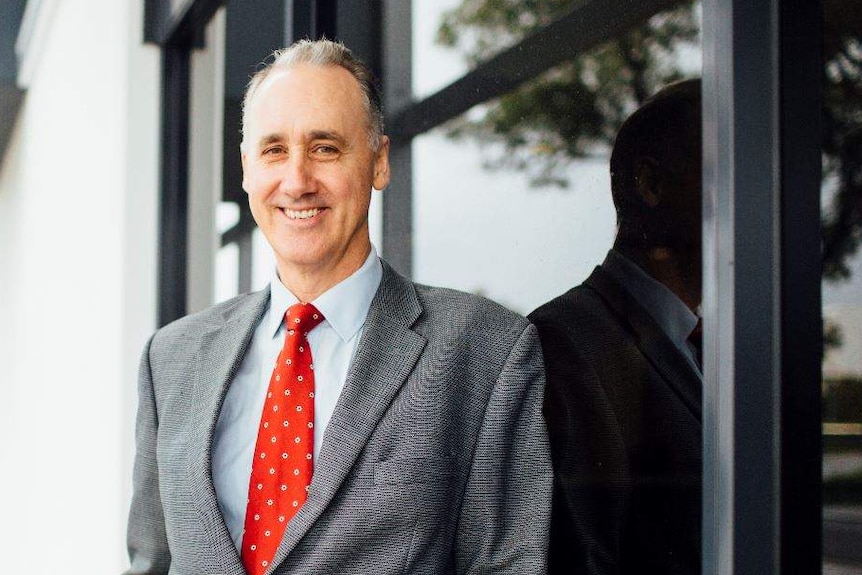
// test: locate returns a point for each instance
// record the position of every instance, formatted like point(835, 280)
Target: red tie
point(283, 456)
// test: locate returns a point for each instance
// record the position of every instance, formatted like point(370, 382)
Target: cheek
point(250, 183)
point(260, 188)
point(359, 201)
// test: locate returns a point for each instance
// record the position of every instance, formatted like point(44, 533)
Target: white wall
point(78, 193)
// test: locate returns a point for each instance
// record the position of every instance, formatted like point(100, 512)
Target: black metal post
point(312, 19)
point(173, 209)
point(800, 104)
point(397, 245)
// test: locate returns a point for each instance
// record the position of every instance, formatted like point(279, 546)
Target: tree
point(842, 136)
point(575, 109)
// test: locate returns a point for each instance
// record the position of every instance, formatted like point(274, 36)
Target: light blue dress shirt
point(671, 314)
point(333, 345)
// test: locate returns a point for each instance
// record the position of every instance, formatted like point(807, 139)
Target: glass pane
point(842, 289)
point(526, 179)
point(520, 235)
point(515, 200)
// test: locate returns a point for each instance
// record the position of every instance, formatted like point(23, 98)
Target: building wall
point(78, 197)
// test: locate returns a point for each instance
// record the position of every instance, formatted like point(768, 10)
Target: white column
point(78, 192)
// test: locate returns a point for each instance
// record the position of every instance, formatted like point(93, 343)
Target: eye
point(272, 151)
point(324, 150)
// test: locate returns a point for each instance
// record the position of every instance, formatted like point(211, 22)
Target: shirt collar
point(671, 314)
point(345, 305)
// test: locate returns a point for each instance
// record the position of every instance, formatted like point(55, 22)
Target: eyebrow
point(268, 139)
point(313, 135)
point(325, 135)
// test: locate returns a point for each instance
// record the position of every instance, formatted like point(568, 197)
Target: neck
point(307, 283)
point(678, 272)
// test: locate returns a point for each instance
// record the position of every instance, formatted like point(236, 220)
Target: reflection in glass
point(626, 435)
point(546, 128)
point(575, 109)
point(526, 178)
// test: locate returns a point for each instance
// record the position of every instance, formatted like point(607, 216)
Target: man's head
point(312, 150)
point(656, 172)
point(325, 53)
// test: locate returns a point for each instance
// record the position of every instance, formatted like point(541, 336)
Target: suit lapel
point(222, 349)
point(385, 356)
point(651, 340)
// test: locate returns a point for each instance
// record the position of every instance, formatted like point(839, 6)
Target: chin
point(300, 261)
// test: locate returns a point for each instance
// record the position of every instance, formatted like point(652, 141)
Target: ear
point(244, 160)
point(380, 177)
point(646, 181)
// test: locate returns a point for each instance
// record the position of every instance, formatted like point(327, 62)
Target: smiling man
point(342, 420)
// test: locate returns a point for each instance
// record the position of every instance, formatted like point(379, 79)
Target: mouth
point(301, 214)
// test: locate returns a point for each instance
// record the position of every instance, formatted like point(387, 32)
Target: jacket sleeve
point(505, 513)
point(592, 481)
point(146, 539)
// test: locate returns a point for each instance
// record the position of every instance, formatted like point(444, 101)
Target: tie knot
point(303, 316)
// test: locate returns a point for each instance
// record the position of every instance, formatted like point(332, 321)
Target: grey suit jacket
point(435, 460)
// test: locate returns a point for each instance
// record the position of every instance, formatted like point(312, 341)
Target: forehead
point(307, 96)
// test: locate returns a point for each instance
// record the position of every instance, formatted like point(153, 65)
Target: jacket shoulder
point(198, 322)
point(577, 305)
point(470, 311)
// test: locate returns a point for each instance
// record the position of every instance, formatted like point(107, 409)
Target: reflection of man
point(416, 409)
point(624, 386)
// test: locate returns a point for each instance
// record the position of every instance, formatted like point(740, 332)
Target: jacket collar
point(656, 347)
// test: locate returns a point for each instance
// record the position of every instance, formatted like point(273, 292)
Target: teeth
point(303, 214)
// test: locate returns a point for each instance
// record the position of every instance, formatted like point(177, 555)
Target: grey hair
point(325, 53)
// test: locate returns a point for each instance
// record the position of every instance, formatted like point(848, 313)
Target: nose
point(296, 178)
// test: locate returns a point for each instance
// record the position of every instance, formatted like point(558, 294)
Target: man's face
point(308, 170)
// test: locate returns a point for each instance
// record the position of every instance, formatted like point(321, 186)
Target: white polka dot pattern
point(279, 484)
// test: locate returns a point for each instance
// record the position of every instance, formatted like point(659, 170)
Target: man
point(623, 399)
point(388, 428)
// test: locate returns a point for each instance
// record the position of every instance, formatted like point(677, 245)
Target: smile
point(302, 214)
